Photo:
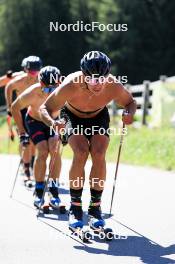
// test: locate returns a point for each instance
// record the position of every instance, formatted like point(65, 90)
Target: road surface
point(143, 220)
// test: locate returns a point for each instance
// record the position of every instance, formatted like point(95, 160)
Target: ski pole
point(11, 135)
point(48, 177)
point(16, 176)
point(116, 170)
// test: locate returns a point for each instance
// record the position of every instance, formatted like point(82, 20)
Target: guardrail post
point(128, 86)
point(145, 101)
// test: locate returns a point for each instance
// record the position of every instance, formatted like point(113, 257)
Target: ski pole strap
point(95, 204)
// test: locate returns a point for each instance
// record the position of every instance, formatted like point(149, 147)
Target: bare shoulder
point(16, 81)
point(17, 74)
point(115, 86)
point(33, 90)
point(72, 78)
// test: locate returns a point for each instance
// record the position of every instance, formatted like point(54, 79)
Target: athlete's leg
point(26, 158)
point(33, 150)
point(40, 161)
point(80, 147)
point(98, 147)
point(52, 144)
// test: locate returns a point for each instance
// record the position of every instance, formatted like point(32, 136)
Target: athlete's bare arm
point(5, 79)
point(23, 101)
point(10, 87)
point(124, 98)
point(65, 92)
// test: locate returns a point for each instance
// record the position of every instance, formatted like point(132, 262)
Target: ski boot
point(38, 198)
point(38, 202)
point(75, 217)
point(55, 201)
point(97, 223)
point(76, 223)
point(95, 217)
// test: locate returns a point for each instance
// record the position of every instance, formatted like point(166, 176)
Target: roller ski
point(76, 223)
point(97, 224)
point(55, 202)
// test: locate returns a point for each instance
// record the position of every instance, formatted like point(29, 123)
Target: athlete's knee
point(81, 152)
point(98, 153)
point(53, 149)
point(42, 153)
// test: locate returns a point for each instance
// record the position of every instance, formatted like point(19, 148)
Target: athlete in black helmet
point(44, 139)
point(49, 75)
point(31, 66)
point(95, 63)
point(83, 97)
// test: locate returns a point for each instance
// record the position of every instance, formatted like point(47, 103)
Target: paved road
point(144, 212)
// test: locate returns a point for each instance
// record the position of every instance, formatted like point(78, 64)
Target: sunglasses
point(95, 81)
point(48, 89)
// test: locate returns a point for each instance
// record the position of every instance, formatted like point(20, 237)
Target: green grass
point(143, 146)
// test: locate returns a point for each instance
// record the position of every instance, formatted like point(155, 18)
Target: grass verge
point(143, 146)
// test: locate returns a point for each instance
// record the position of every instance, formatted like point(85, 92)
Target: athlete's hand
point(24, 139)
point(9, 73)
point(11, 135)
point(59, 124)
point(127, 118)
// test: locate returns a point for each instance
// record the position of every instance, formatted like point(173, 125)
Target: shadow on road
point(135, 246)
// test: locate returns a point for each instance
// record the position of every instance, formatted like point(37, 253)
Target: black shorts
point(23, 114)
point(37, 130)
point(85, 126)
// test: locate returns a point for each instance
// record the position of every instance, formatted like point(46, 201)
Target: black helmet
point(95, 63)
point(49, 75)
point(33, 63)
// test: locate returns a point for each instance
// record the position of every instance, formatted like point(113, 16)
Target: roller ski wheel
point(55, 204)
point(84, 235)
point(46, 205)
point(97, 224)
point(45, 208)
point(62, 209)
point(29, 183)
point(109, 234)
point(103, 233)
